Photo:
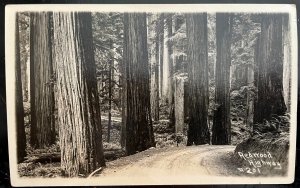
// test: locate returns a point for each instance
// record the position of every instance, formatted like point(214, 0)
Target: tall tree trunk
point(256, 56)
point(24, 54)
point(123, 96)
point(156, 85)
point(250, 97)
point(161, 52)
point(286, 62)
point(166, 69)
point(28, 80)
point(110, 89)
point(196, 24)
point(221, 132)
point(79, 120)
point(139, 130)
point(269, 99)
point(151, 32)
point(124, 88)
point(171, 81)
point(21, 139)
point(42, 93)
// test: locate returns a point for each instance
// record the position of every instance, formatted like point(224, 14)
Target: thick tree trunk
point(269, 74)
point(21, 139)
point(42, 93)
point(286, 62)
point(197, 55)
point(124, 89)
point(139, 130)
point(221, 132)
point(78, 102)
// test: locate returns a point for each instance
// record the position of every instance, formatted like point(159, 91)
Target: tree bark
point(110, 90)
point(161, 51)
point(123, 102)
point(124, 88)
point(156, 72)
point(21, 138)
point(221, 133)
point(78, 102)
point(42, 93)
point(24, 54)
point(139, 130)
point(286, 62)
point(269, 74)
point(169, 24)
point(250, 97)
point(179, 95)
point(197, 55)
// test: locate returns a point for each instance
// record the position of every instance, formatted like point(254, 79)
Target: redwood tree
point(80, 128)
point(138, 123)
point(161, 33)
point(41, 86)
point(221, 132)
point(21, 138)
point(171, 81)
point(286, 62)
point(269, 71)
point(156, 84)
point(196, 24)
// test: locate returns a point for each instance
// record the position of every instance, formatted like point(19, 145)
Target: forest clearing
point(111, 94)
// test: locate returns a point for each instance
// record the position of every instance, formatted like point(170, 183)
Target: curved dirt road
point(204, 160)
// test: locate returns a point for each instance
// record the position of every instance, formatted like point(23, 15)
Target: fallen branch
point(93, 173)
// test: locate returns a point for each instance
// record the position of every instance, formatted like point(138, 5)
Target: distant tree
point(178, 41)
point(221, 132)
point(156, 85)
point(161, 39)
point(269, 73)
point(79, 120)
point(108, 43)
point(41, 82)
point(21, 138)
point(110, 89)
point(245, 29)
point(196, 25)
point(167, 58)
point(169, 25)
point(24, 26)
point(139, 130)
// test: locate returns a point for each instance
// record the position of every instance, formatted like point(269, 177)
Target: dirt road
point(194, 160)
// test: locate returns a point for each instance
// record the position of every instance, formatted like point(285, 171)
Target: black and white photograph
point(151, 94)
